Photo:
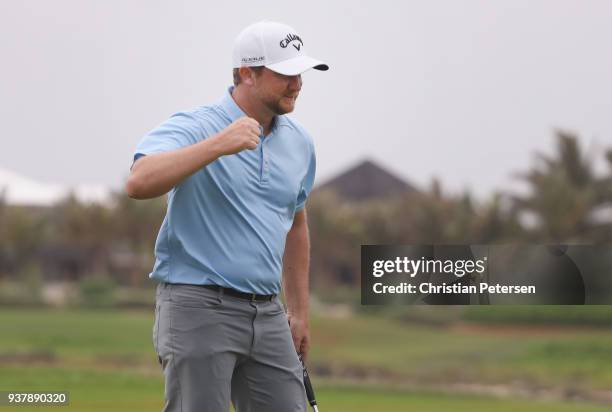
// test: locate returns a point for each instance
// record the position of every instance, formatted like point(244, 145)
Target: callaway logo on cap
point(276, 46)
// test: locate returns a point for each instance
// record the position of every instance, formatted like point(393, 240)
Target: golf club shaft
point(308, 386)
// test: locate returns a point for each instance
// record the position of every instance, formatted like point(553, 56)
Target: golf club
point(308, 385)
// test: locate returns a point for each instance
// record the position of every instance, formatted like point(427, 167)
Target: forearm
point(296, 263)
point(154, 175)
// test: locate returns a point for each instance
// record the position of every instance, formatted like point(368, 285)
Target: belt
point(237, 294)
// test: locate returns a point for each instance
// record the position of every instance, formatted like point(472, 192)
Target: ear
point(247, 76)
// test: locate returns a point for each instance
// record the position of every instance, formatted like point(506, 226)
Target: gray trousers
point(215, 348)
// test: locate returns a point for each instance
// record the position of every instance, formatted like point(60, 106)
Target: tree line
point(567, 201)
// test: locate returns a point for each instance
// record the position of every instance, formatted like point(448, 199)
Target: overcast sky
point(462, 90)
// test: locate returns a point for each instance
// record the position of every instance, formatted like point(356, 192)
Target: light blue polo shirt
point(226, 224)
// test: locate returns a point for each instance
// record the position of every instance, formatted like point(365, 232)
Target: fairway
point(131, 391)
point(105, 360)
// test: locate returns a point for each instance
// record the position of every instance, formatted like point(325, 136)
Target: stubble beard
point(276, 106)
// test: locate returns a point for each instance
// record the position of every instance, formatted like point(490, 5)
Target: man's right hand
point(155, 174)
point(242, 134)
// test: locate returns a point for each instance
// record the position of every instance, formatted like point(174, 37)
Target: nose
point(295, 82)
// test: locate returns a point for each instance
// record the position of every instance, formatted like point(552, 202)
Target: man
point(238, 174)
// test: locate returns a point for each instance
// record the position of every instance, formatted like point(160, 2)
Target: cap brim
point(297, 65)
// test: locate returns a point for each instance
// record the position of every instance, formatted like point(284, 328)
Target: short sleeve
point(181, 130)
point(308, 181)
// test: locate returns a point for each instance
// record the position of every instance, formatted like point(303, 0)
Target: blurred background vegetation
point(76, 305)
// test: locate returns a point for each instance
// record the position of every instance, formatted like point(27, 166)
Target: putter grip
point(308, 386)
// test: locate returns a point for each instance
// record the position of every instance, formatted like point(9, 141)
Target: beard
point(277, 106)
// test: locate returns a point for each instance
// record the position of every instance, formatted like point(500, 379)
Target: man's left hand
point(301, 335)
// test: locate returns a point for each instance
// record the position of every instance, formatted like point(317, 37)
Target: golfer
point(237, 173)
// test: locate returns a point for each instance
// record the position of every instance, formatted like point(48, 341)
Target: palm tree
point(564, 193)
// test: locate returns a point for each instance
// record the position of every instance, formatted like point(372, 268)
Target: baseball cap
point(275, 46)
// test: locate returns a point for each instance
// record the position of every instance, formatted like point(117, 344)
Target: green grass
point(77, 334)
point(89, 390)
point(126, 391)
point(595, 315)
point(105, 360)
point(350, 399)
point(555, 357)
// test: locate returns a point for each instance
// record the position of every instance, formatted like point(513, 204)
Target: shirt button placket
point(265, 170)
point(266, 167)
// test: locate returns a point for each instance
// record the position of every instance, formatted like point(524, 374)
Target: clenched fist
point(242, 134)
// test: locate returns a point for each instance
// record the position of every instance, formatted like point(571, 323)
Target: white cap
point(274, 45)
